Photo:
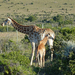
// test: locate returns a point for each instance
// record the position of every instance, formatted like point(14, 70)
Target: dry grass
point(12, 35)
point(36, 6)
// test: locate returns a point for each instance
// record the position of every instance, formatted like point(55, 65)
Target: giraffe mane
point(15, 21)
point(18, 23)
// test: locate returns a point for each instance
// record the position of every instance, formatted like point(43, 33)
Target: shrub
point(65, 22)
point(31, 3)
point(73, 30)
point(15, 62)
point(66, 30)
point(62, 8)
point(12, 2)
point(31, 18)
point(44, 20)
point(17, 55)
point(65, 3)
point(58, 18)
point(51, 21)
point(25, 39)
point(39, 25)
point(72, 62)
point(4, 29)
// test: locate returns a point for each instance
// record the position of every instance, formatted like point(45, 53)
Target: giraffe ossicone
point(35, 34)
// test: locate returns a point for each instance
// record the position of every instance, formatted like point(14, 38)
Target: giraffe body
point(40, 51)
point(35, 34)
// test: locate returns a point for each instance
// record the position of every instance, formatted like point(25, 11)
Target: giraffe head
point(51, 37)
point(48, 35)
point(7, 22)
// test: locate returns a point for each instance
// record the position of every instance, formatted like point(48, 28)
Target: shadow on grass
point(2, 69)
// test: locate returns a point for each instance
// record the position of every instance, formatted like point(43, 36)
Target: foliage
point(39, 25)
point(65, 22)
point(72, 62)
point(16, 58)
point(58, 18)
point(51, 20)
point(17, 55)
point(15, 62)
point(62, 20)
point(25, 39)
point(60, 66)
point(7, 45)
point(67, 30)
point(4, 29)
point(31, 18)
point(68, 33)
point(52, 68)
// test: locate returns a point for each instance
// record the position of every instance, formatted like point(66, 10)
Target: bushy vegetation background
point(15, 57)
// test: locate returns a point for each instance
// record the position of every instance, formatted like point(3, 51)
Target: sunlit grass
point(40, 6)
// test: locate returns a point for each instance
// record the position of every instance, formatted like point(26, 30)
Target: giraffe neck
point(44, 41)
point(22, 28)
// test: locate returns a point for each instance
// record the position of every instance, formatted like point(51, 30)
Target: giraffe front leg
point(51, 48)
point(50, 43)
point(52, 54)
point(33, 50)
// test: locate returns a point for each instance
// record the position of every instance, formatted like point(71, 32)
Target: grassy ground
point(12, 36)
point(12, 7)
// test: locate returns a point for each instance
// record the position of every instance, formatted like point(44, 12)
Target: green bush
point(67, 30)
point(31, 18)
point(53, 68)
point(17, 55)
point(72, 62)
point(73, 30)
point(65, 22)
point(25, 39)
point(72, 66)
point(8, 45)
point(4, 29)
point(39, 25)
point(15, 62)
point(61, 65)
point(58, 18)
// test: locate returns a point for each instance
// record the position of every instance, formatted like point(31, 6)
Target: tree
point(31, 18)
point(58, 18)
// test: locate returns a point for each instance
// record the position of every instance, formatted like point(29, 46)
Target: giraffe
point(41, 51)
point(6, 22)
point(35, 34)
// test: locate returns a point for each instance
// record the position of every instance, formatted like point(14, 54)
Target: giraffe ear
point(8, 17)
point(48, 33)
point(44, 31)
